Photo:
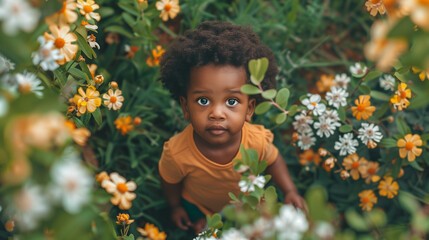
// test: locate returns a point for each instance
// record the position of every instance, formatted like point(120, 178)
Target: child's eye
point(203, 101)
point(231, 102)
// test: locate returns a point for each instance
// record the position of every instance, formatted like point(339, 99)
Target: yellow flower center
point(355, 165)
point(424, 2)
point(402, 94)
point(409, 146)
point(167, 7)
point(83, 103)
point(59, 43)
point(87, 9)
point(365, 200)
point(25, 87)
point(361, 107)
point(113, 99)
point(371, 170)
point(313, 103)
point(122, 187)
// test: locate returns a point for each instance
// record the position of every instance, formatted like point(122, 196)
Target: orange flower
point(87, 101)
point(375, 6)
point(408, 146)
point(66, 14)
point(131, 51)
point(371, 172)
point(399, 100)
point(62, 38)
point(309, 156)
point(423, 75)
point(125, 124)
point(168, 8)
point(152, 232)
point(102, 176)
point(325, 83)
point(87, 9)
point(124, 219)
point(156, 56)
point(388, 187)
point(79, 135)
point(355, 165)
point(367, 200)
point(363, 109)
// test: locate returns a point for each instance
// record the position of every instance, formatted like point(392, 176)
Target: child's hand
point(180, 218)
point(296, 200)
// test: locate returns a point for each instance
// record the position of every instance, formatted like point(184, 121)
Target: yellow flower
point(399, 100)
point(99, 79)
point(375, 6)
point(113, 99)
point(62, 38)
point(367, 200)
point(124, 219)
point(79, 135)
point(156, 56)
point(87, 8)
point(125, 124)
point(388, 188)
point(152, 232)
point(309, 156)
point(371, 172)
point(102, 176)
point(121, 190)
point(325, 83)
point(169, 8)
point(363, 109)
point(87, 101)
point(408, 146)
point(385, 51)
point(355, 165)
point(423, 75)
point(67, 13)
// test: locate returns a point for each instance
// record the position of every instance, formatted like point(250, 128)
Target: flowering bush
point(79, 97)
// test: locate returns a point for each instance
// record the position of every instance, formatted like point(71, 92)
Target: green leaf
point(364, 89)
point(118, 29)
point(257, 69)
point(252, 200)
point(128, 9)
point(283, 97)
point(269, 94)
point(376, 218)
point(280, 118)
point(129, 19)
point(379, 95)
point(261, 167)
point(250, 89)
point(342, 114)
point(270, 195)
point(388, 142)
point(372, 75)
point(402, 126)
point(84, 46)
point(130, 237)
point(78, 74)
point(292, 110)
point(232, 196)
point(408, 202)
point(346, 128)
point(416, 166)
point(97, 116)
point(85, 69)
point(263, 107)
point(356, 221)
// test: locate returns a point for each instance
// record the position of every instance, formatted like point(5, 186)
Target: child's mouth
point(217, 130)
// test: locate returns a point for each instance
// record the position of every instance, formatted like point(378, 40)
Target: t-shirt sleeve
point(269, 152)
point(168, 167)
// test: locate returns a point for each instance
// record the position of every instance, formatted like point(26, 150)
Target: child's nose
point(217, 112)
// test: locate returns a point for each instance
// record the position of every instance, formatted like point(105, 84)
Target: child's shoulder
point(179, 142)
point(257, 132)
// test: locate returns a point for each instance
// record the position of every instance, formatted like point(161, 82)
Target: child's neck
point(221, 154)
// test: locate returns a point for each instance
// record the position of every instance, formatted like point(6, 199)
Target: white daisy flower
point(346, 144)
point(357, 69)
point(121, 189)
point(291, 223)
point(337, 97)
point(47, 55)
point(302, 123)
point(342, 80)
point(233, 234)
point(306, 140)
point(28, 82)
point(91, 40)
point(324, 127)
point(333, 116)
point(387, 82)
point(4, 106)
point(201, 237)
point(262, 228)
point(72, 183)
point(18, 14)
point(369, 132)
point(29, 206)
point(249, 186)
point(324, 230)
point(313, 103)
point(6, 65)
point(113, 99)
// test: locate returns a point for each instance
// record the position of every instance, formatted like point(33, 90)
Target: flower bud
point(371, 144)
point(330, 162)
point(10, 226)
point(390, 119)
point(137, 121)
point(322, 152)
point(99, 79)
point(113, 84)
point(295, 136)
point(344, 174)
point(401, 173)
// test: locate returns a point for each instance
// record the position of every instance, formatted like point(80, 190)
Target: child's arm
point(281, 177)
point(178, 213)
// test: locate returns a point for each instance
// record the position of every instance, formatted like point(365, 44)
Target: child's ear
point(184, 105)
point(250, 109)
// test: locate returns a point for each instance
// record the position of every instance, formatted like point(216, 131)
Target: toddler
point(204, 70)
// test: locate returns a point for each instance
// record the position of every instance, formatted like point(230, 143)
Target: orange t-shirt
point(206, 183)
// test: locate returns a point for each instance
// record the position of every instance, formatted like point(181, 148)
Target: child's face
point(215, 105)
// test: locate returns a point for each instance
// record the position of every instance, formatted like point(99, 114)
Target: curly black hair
point(214, 42)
